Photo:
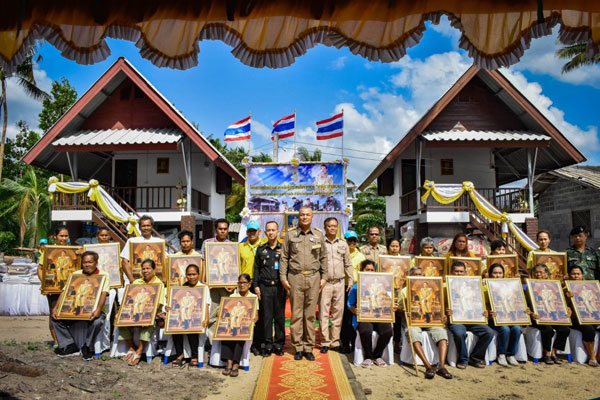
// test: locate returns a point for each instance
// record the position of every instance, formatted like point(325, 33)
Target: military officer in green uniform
point(303, 271)
point(582, 255)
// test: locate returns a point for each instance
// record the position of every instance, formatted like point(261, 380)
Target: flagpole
point(295, 124)
point(250, 115)
point(275, 146)
point(342, 134)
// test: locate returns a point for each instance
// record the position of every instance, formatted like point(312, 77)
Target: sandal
point(134, 360)
point(430, 373)
point(193, 363)
point(443, 372)
point(548, 360)
point(128, 356)
point(461, 366)
point(234, 373)
point(593, 363)
point(366, 363)
point(556, 360)
point(178, 363)
point(380, 363)
point(226, 371)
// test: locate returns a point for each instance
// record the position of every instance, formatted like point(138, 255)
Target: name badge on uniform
point(276, 266)
point(341, 250)
point(312, 239)
point(316, 246)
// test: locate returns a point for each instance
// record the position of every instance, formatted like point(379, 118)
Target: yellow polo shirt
point(247, 253)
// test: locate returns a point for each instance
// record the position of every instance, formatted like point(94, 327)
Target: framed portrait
point(586, 301)
point(186, 309)
point(465, 299)
point(556, 263)
point(147, 250)
point(109, 261)
point(375, 302)
point(235, 319)
point(424, 303)
point(81, 296)
point(222, 263)
point(162, 165)
point(431, 266)
point(509, 262)
point(508, 301)
point(548, 302)
point(139, 305)
point(291, 221)
point(472, 265)
point(178, 265)
point(398, 266)
point(59, 262)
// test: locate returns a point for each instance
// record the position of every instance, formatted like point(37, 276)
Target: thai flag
point(238, 131)
point(284, 127)
point(331, 127)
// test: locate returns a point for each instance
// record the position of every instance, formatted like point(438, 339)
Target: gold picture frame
point(80, 297)
point(510, 263)
point(59, 262)
point(555, 261)
point(465, 299)
point(187, 309)
point(375, 297)
point(175, 273)
point(431, 266)
point(546, 295)
point(586, 301)
point(507, 300)
point(139, 300)
point(398, 266)
point(243, 309)
point(424, 301)
point(109, 261)
point(290, 220)
point(473, 265)
point(149, 249)
point(222, 263)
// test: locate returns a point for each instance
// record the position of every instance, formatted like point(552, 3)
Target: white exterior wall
point(392, 203)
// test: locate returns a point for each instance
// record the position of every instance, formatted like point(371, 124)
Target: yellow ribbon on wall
point(97, 194)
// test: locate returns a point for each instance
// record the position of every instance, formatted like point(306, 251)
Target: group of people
point(311, 267)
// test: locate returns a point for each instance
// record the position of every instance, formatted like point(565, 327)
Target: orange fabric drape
point(273, 33)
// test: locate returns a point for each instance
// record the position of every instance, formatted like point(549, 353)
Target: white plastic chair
point(533, 340)
point(429, 348)
point(387, 356)
point(578, 352)
point(471, 342)
point(215, 355)
point(186, 349)
point(492, 351)
point(120, 348)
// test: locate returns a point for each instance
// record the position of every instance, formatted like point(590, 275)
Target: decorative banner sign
point(272, 187)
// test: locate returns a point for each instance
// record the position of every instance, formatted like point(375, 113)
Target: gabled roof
point(558, 154)
point(42, 153)
point(586, 175)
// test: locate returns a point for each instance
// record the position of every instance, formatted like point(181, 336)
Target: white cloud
point(261, 129)
point(586, 140)
point(21, 106)
point(541, 59)
point(446, 29)
point(338, 63)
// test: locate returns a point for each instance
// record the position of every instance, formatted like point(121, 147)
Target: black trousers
point(272, 313)
point(588, 332)
point(192, 341)
point(347, 333)
point(232, 350)
point(398, 327)
point(547, 332)
point(365, 330)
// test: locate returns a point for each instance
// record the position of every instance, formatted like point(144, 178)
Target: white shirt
point(137, 239)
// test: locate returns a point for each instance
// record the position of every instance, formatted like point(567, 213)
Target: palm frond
point(32, 90)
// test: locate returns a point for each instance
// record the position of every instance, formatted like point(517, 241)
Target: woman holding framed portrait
point(542, 238)
point(393, 249)
point(459, 248)
point(365, 329)
point(540, 271)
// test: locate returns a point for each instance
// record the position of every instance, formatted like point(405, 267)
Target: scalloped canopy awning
point(273, 34)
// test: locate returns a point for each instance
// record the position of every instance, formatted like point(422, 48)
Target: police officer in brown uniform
point(303, 272)
point(373, 249)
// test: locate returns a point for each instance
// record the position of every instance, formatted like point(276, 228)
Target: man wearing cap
point(348, 333)
point(302, 272)
point(247, 253)
point(332, 296)
point(373, 249)
point(582, 255)
point(271, 294)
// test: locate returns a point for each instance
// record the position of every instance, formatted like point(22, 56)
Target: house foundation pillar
point(188, 223)
point(531, 227)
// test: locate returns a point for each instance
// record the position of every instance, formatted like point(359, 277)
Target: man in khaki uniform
point(373, 250)
point(332, 296)
point(302, 272)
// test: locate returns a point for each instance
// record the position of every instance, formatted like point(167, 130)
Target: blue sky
point(380, 101)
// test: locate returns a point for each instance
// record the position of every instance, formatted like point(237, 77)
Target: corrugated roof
point(584, 174)
point(465, 135)
point(120, 136)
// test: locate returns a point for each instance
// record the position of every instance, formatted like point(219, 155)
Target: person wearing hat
point(339, 281)
point(582, 255)
point(348, 333)
point(247, 253)
point(271, 294)
point(41, 248)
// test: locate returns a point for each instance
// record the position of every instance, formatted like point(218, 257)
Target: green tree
point(25, 79)
point(15, 149)
point(577, 57)
point(28, 203)
point(62, 97)
point(369, 210)
point(303, 154)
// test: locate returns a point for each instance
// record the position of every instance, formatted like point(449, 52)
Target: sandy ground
point(23, 342)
